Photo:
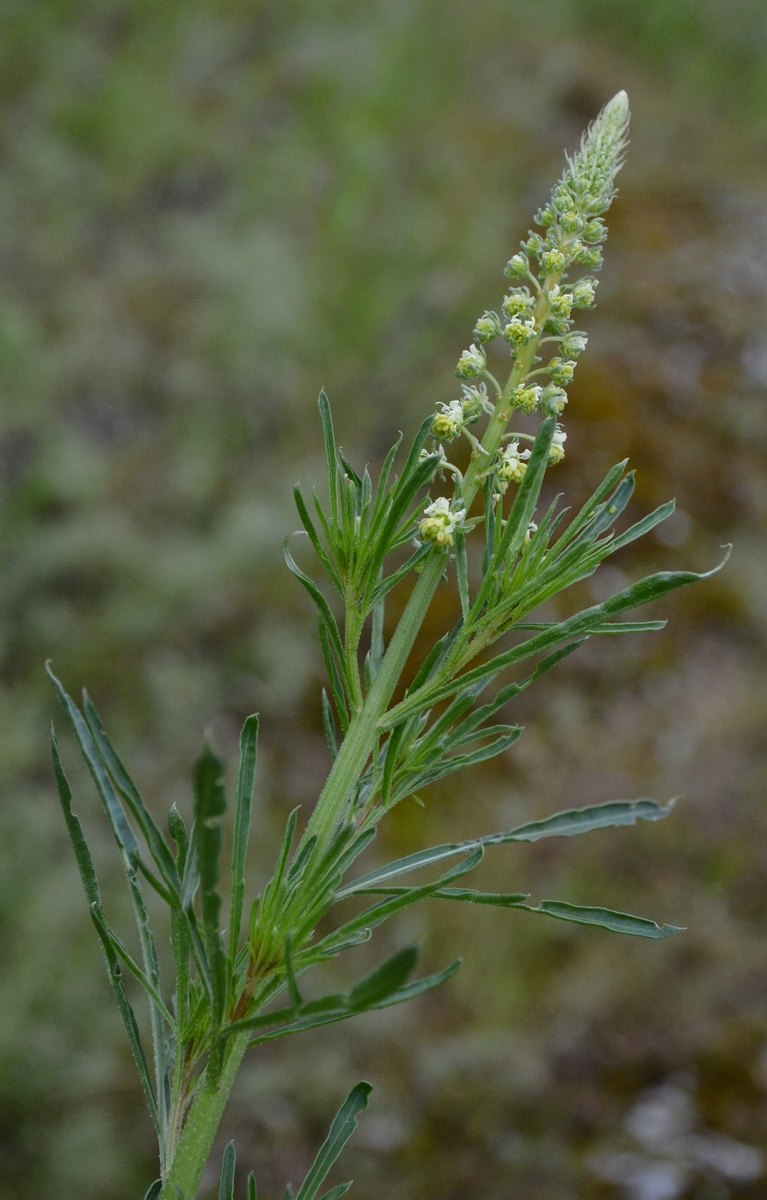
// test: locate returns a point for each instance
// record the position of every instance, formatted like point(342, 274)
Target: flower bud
point(475, 401)
point(595, 232)
point(552, 262)
point(557, 448)
point(511, 465)
point(471, 363)
point(487, 327)
point(519, 332)
point(519, 302)
point(583, 293)
point(517, 267)
point(561, 371)
point(574, 343)
point(546, 216)
point(525, 399)
point(449, 423)
point(589, 256)
point(552, 401)
point(534, 243)
point(560, 302)
point(530, 533)
point(571, 222)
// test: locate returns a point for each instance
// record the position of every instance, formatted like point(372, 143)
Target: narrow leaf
point(209, 807)
point(606, 918)
point(340, 1131)
point(564, 824)
point(386, 979)
point(226, 1186)
point(243, 802)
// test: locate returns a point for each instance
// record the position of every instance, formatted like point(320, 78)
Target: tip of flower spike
point(618, 108)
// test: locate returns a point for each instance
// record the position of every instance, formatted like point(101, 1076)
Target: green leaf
point(329, 726)
point(107, 935)
point(295, 995)
point(564, 824)
point(324, 1013)
point(245, 779)
point(527, 496)
point(131, 858)
point(93, 895)
point(125, 786)
point(115, 815)
point(469, 895)
point(251, 1192)
point(153, 1190)
point(226, 1186)
point(653, 587)
point(209, 807)
point(331, 459)
point(386, 979)
point(320, 551)
point(605, 918)
point(462, 571)
point(340, 1131)
point(322, 605)
point(336, 1192)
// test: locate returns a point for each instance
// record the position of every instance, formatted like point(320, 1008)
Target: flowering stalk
point(228, 996)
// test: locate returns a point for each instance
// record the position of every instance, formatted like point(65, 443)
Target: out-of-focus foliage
point(206, 211)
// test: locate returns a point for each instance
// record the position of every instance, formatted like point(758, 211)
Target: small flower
point(552, 262)
point(519, 332)
point(517, 267)
point(583, 293)
point(439, 522)
point(561, 371)
point(440, 450)
point(471, 363)
point(530, 532)
point(553, 400)
point(488, 326)
point(525, 399)
point(450, 422)
point(574, 343)
point(511, 465)
point(557, 448)
point(518, 303)
point(475, 402)
point(560, 303)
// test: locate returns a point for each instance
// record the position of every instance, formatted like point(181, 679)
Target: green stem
point(361, 734)
point(201, 1125)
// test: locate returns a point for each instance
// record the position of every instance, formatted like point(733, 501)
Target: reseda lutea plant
point(234, 989)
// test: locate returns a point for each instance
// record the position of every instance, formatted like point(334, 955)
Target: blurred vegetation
point(206, 211)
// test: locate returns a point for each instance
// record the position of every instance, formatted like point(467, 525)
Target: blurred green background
point(208, 209)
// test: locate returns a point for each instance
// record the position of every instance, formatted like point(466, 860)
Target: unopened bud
point(552, 401)
point(557, 448)
point(487, 327)
point(584, 293)
point(552, 262)
point(517, 267)
point(561, 371)
point(471, 363)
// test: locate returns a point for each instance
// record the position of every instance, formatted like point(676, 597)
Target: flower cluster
point(538, 309)
point(511, 466)
point(440, 522)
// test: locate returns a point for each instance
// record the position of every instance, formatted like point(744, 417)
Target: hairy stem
point(201, 1125)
